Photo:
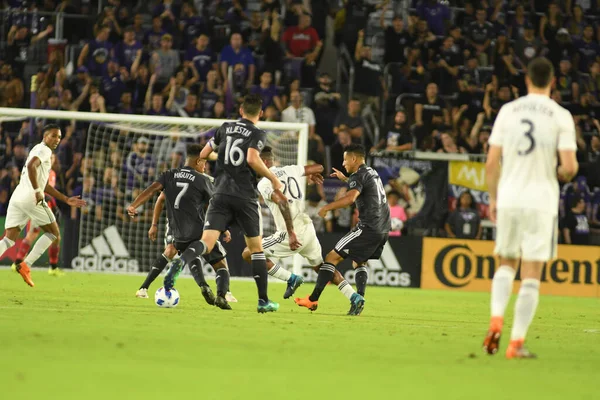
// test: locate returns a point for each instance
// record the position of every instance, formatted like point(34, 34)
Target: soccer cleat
point(357, 304)
point(491, 343)
point(293, 283)
point(222, 303)
point(267, 306)
point(229, 297)
point(13, 267)
point(305, 302)
point(25, 272)
point(142, 293)
point(55, 272)
point(517, 350)
point(174, 271)
point(208, 295)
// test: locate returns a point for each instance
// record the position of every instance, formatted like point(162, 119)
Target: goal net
point(109, 159)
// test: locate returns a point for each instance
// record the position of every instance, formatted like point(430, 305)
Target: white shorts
point(277, 245)
point(531, 235)
point(20, 212)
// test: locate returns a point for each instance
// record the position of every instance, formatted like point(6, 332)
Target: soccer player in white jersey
point(524, 197)
point(293, 224)
point(27, 202)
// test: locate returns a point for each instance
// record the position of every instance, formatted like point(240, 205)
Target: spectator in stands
point(128, 49)
point(201, 57)
point(436, 14)
point(139, 165)
point(96, 53)
point(268, 91)
point(191, 108)
point(428, 108)
point(253, 33)
point(5, 148)
point(576, 228)
point(326, 104)
point(528, 46)
point(298, 112)
point(96, 100)
point(502, 59)
point(593, 152)
point(350, 121)
point(153, 37)
point(191, 25)
point(236, 54)
point(397, 213)
point(397, 39)
point(167, 12)
point(138, 28)
point(342, 218)
point(344, 139)
point(591, 82)
point(154, 103)
point(397, 136)
point(476, 141)
point(171, 152)
point(368, 78)
point(314, 202)
point(550, 23)
point(588, 50)
point(212, 92)
point(302, 41)
point(516, 29)
point(293, 86)
point(114, 84)
point(466, 16)
point(357, 15)
point(177, 93)
point(270, 44)
point(493, 100)
point(480, 35)
point(448, 145)
point(126, 104)
point(165, 60)
point(18, 40)
point(11, 88)
point(560, 48)
point(447, 63)
point(140, 82)
point(219, 111)
point(464, 222)
point(567, 82)
point(576, 23)
point(108, 18)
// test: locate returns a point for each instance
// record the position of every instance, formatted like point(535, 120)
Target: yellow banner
point(468, 174)
point(469, 265)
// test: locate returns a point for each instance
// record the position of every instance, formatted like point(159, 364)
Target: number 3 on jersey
point(529, 136)
point(233, 154)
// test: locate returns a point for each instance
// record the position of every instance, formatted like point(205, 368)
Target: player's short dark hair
point(540, 72)
point(267, 153)
point(50, 127)
point(194, 150)
point(252, 104)
point(357, 149)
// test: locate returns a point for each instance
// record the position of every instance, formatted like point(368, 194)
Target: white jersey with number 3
point(24, 190)
point(291, 178)
point(530, 131)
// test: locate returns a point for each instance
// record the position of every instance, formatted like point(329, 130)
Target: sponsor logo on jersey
point(106, 252)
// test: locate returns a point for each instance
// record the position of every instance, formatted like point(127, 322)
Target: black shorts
point(361, 245)
point(217, 254)
point(168, 234)
point(223, 211)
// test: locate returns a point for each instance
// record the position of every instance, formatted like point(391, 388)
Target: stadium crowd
point(438, 73)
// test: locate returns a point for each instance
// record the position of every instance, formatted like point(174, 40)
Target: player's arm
point(567, 150)
point(74, 201)
point(158, 207)
point(344, 202)
point(492, 174)
point(257, 164)
point(313, 169)
point(208, 153)
point(143, 198)
point(279, 198)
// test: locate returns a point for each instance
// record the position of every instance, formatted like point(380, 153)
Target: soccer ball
point(397, 224)
point(166, 298)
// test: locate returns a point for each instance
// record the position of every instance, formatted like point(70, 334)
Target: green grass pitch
point(85, 336)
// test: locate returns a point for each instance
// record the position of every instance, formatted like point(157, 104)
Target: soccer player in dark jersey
point(188, 192)
point(364, 242)
point(239, 145)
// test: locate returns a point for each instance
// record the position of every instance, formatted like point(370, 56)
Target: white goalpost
point(121, 156)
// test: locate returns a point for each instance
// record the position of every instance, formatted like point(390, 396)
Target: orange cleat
point(25, 272)
point(492, 339)
point(305, 302)
point(517, 350)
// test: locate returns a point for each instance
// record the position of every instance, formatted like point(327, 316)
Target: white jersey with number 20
point(530, 131)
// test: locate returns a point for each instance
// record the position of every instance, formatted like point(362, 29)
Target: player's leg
point(361, 277)
point(25, 245)
point(53, 258)
point(16, 218)
point(9, 239)
point(51, 235)
point(159, 265)
point(217, 259)
point(508, 237)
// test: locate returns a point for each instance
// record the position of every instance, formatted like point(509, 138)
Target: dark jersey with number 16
point(373, 209)
point(188, 193)
point(234, 176)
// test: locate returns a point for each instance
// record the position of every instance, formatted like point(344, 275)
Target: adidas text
point(105, 263)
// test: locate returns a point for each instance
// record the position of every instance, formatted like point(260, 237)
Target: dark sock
point(196, 270)
point(360, 278)
point(53, 266)
point(222, 281)
point(18, 261)
point(325, 275)
point(194, 250)
point(259, 271)
point(159, 265)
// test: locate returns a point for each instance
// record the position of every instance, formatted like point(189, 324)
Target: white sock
point(5, 244)
point(501, 290)
point(39, 248)
point(280, 273)
point(525, 307)
point(346, 289)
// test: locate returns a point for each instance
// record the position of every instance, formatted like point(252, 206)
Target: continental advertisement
point(469, 265)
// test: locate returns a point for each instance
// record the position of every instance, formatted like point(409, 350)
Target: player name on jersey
point(185, 175)
point(238, 129)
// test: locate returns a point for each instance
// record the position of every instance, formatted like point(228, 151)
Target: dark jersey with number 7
point(188, 193)
point(373, 209)
point(234, 177)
